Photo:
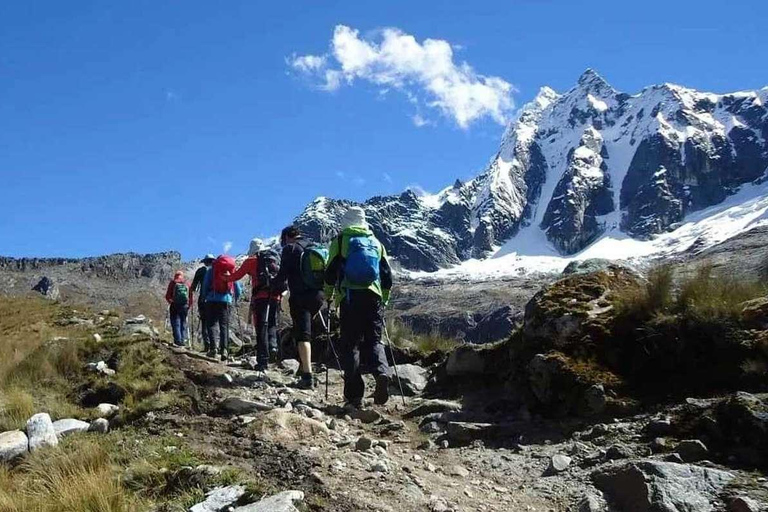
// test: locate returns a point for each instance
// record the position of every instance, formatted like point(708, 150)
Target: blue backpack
point(361, 267)
point(314, 259)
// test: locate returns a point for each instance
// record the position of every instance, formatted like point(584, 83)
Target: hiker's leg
point(272, 326)
point(202, 312)
point(183, 312)
point(223, 327)
point(173, 314)
point(210, 322)
point(302, 332)
point(372, 332)
point(354, 387)
point(260, 310)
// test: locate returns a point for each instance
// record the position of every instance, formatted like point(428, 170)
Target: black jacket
point(290, 270)
point(197, 283)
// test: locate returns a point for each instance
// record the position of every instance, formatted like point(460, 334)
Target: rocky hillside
point(576, 166)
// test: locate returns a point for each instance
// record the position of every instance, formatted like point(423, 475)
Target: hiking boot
point(224, 355)
point(273, 355)
point(261, 367)
point(211, 354)
point(353, 405)
point(381, 394)
point(305, 381)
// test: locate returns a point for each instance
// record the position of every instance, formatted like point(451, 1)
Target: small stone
point(444, 444)
point(660, 427)
point(69, 426)
point(459, 471)
point(13, 444)
point(379, 466)
point(618, 452)
point(219, 498)
point(590, 504)
point(281, 502)
point(431, 427)
point(658, 445)
point(692, 450)
point(40, 432)
point(743, 504)
point(381, 452)
point(559, 463)
point(100, 426)
point(106, 410)
point(97, 337)
point(332, 424)
point(363, 443)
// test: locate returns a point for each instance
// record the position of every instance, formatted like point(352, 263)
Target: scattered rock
point(40, 432)
point(594, 400)
point(282, 502)
point(459, 471)
point(413, 378)
point(379, 466)
point(692, 450)
point(289, 365)
point(99, 425)
point(591, 504)
point(106, 410)
point(465, 361)
point(219, 499)
point(365, 415)
point(69, 426)
point(558, 463)
point(648, 486)
point(433, 406)
point(659, 445)
point(47, 288)
point(97, 337)
point(430, 427)
point(363, 443)
point(101, 367)
point(13, 444)
point(743, 504)
point(282, 426)
point(618, 452)
point(237, 405)
point(660, 427)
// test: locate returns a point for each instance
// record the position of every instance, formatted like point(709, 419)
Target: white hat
point(257, 245)
point(354, 216)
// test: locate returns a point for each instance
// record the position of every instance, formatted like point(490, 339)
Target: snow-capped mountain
point(577, 167)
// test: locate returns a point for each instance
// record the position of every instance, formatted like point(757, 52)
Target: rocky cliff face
point(115, 266)
point(576, 166)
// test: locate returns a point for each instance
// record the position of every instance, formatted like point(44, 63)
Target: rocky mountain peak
point(579, 166)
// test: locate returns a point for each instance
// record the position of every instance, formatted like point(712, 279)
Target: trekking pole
point(394, 363)
point(192, 326)
point(333, 348)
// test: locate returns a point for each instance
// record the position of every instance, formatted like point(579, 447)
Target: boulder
point(586, 266)
point(742, 421)
point(558, 463)
point(465, 361)
point(40, 432)
point(692, 450)
point(754, 313)
point(290, 365)
point(106, 410)
point(413, 378)
point(743, 504)
point(282, 502)
point(99, 425)
point(655, 486)
point(433, 406)
point(237, 405)
point(13, 444)
point(69, 426)
point(219, 499)
point(47, 288)
point(363, 443)
point(282, 426)
point(591, 504)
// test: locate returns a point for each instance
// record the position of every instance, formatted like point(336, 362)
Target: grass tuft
point(403, 337)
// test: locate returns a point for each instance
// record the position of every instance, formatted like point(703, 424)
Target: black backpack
point(268, 267)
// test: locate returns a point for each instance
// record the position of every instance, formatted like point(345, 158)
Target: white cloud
point(387, 177)
point(419, 121)
point(425, 72)
point(227, 246)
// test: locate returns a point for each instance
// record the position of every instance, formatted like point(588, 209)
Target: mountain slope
point(575, 167)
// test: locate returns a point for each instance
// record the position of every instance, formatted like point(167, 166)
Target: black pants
point(362, 322)
point(303, 308)
point(201, 312)
point(217, 313)
point(265, 323)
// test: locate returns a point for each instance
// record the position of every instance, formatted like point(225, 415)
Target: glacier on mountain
point(584, 172)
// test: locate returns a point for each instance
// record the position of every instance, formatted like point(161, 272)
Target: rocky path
point(439, 455)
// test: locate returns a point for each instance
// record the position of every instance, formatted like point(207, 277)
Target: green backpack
point(314, 259)
point(180, 294)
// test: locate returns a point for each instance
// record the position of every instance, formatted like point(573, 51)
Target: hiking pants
point(178, 316)
point(303, 308)
point(201, 312)
point(217, 313)
point(265, 323)
point(362, 321)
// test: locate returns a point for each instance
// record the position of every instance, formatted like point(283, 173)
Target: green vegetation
point(124, 470)
point(425, 344)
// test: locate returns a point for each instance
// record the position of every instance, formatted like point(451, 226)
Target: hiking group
point(352, 276)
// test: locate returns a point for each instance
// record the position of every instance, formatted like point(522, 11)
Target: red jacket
point(171, 289)
point(251, 267)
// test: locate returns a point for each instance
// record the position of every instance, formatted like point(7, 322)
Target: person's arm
point(205, 288)
point(332, 270)
point(385, 274)
point(278, 283)
point(247, 267)
point(169, 293)
point(197, 282)
point(238, 291)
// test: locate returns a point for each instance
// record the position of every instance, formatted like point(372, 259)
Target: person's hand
point(385, 297)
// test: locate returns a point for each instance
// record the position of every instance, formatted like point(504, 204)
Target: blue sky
point(147, 126)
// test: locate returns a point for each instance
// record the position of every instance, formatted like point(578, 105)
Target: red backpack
point(222, 264)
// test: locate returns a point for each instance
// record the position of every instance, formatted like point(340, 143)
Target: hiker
point(219, 295)
point(197, 286)
point(262, 264)
point(359, 277)
point(178, 297)
point(303, 274)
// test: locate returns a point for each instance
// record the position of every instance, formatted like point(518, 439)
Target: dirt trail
point(292, 446)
